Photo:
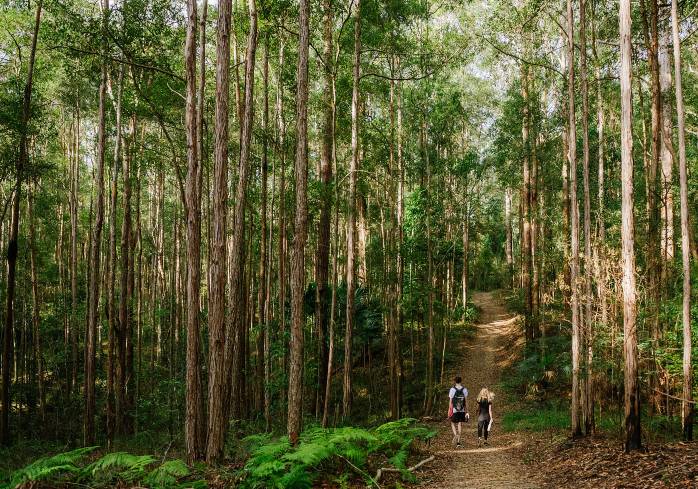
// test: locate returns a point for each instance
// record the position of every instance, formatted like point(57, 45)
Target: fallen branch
point(674, 397)
point(383, 470)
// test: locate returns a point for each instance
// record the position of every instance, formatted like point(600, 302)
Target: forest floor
point(502, 464)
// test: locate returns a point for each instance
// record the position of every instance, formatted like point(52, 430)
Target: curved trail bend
point(499, 465)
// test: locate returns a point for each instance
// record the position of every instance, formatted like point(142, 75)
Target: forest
point(250, 243)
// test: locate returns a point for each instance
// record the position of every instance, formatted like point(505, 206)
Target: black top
point(483, 409)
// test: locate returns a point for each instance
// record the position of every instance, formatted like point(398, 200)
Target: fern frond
point(166, 475)
point(272, 450)
point(130, 466)
point(48, 468)
point(297, 478)
point(266, 469)
point(310, 453)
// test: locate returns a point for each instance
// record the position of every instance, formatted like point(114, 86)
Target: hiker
point(458, 408)
point(484, 415)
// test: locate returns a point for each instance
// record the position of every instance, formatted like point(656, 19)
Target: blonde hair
point(485, 394)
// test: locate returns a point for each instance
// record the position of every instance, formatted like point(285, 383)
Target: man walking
point(458, 409)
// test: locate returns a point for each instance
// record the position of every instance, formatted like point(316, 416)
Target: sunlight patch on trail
point(481, 450)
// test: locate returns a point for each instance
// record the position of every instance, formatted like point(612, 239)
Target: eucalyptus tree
point(218, 343)
point(633, 439)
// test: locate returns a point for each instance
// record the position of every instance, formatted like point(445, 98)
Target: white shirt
point(452, 393)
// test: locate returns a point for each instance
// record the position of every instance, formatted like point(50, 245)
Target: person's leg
point(453, 428)
point(479, 433)
point(486, 425)
point(459, 431)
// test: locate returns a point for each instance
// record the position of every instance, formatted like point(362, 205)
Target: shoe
point(487, 443)
point(459, 445)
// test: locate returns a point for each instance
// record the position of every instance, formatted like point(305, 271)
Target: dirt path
point(500, 465)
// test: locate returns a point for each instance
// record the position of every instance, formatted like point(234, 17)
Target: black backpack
point(459, 399)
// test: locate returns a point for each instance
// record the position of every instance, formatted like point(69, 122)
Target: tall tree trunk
point(526, 264)
point(565, 197)
point(632, 391)
point(653, 238)
point(268, 310)
point(115, 367)
point(36, 301)
point(351, 215)
point(466, 249)
point(588, 266)
point(400, 239)
point(263, 262)
point(509, 244)
point(193, 218)
point(235, 325)
point(322, 259)
point(333, 302)
point(295, 379)
point(533, 208)
point(574, 218)
point(362, 231)
point(391, 296)
point(126, 294)
point(139, 274)
point(687, 403)
point(216, 310)
point(667, 157)
point(201, 426)
point(430, 281)
point(74, 204)
point(94, 277)
point(601, 282)
point(281, 150)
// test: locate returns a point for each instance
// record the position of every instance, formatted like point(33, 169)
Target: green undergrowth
point(74, 468)
point(656, 429)
point(336, 455)
point(532, 419)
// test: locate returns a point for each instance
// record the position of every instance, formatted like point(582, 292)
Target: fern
point(296, 478)
point(310, 453)
point(48, 468)
point(65, 468)
point(130, 467)
point(166, 475)
point(275, 464)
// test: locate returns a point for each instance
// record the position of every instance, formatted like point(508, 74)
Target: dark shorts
point(458, 418)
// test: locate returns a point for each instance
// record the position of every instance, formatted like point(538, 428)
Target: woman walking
point(484, 415)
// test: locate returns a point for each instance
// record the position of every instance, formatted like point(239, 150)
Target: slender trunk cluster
point(94, 276)
point(574, 225)
point(588, 268)
point(687, 402)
